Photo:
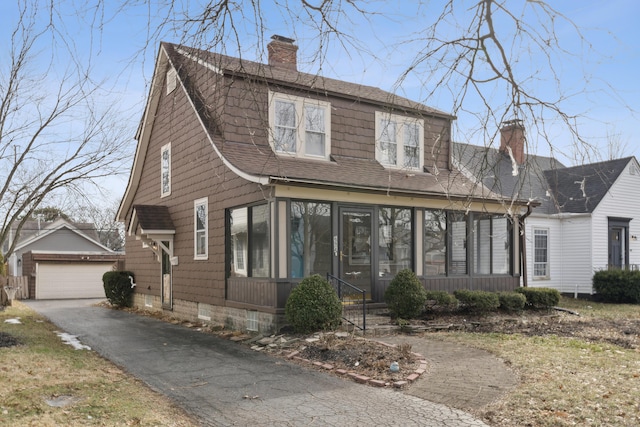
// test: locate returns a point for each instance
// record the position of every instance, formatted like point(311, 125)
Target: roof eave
point(287, 180)
point(143, 135)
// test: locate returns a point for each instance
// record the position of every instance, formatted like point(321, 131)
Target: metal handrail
point(341, 286)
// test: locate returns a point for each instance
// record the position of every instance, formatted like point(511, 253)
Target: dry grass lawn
point(42, 368)
point(567, 381)
point(573, 371)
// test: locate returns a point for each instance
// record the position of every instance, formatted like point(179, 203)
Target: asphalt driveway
point(211, 377)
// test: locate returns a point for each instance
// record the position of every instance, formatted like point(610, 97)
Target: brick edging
point(362, 379)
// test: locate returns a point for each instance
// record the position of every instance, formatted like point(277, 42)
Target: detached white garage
point(68, 275)
point(70, 280)
point(63, 260)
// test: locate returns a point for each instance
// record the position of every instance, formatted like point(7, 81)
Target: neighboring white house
point(61, 260)
point(587, 217)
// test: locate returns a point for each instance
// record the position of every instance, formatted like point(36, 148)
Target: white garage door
point(70, 280)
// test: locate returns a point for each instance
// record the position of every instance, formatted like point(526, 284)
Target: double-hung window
point(165, 170)
point(285, 139)
point(411, 145)
point(299, 126)
point(540, 253)
point(200, 229)
point(399, 141)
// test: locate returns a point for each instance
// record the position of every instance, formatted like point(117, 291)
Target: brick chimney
point(512, 136)
point(282, 52)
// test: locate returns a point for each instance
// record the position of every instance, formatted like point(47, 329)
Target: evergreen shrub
point(313, 305)
point(540, 298)
point(512, 301)
point(405, 296)
point(118, 288)
point(477, 301)
point(442, 299)
point(617, 286)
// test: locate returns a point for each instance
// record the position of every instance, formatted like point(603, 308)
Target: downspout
point(523, 245)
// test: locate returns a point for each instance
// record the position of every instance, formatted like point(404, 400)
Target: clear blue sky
point(611, 103)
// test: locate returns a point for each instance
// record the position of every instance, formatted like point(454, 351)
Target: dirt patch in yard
point(370, 358)
point(620, 332)
point(7, 340)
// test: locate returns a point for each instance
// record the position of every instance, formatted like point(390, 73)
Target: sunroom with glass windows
point(276, 243)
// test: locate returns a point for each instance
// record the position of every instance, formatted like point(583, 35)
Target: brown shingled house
point(248, 177)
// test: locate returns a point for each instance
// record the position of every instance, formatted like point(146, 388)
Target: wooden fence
point(19, 283)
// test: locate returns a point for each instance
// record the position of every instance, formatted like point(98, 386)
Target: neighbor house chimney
point(512, 136)
point(282, 53)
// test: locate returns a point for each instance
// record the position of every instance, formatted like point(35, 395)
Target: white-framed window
point(171, 80)
point(299, 126)
point(399, 141)
point(540, 253)
point(165, 170)
point(250, 247)
point(200, 228)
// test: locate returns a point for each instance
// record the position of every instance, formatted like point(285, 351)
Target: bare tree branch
point(55, 136)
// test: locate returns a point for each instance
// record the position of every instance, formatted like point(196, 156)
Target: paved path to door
point(210, 377)
point(459, 376)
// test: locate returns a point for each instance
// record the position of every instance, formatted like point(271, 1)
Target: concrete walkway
point(211, 378)
point(459, 376)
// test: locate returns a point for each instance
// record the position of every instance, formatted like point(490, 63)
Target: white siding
point(569, 253)
point(543, 222)
point(579, 244)
point(622, 201)
point(576, 247)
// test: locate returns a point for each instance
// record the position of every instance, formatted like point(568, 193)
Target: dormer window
point(300, 127)
point(399, 141)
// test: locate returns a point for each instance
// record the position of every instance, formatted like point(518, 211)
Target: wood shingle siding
point(217, 124)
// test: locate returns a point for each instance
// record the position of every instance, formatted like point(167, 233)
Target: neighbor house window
point(310, 225)
point(399, 141)
point(491, 244)
point(540, 253)
point(435, 242)
point(200, 213)
point(395, 242)
point(249, 241)
point(300, 126)
point(165, 170)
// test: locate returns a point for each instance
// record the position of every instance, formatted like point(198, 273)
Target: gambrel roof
point(201, 76)
point(273, 75)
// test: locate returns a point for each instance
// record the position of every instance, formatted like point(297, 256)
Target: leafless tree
point(56, 134)
point(486, 62)
point(102, 217)
point(491, 58)
point(617, 147)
